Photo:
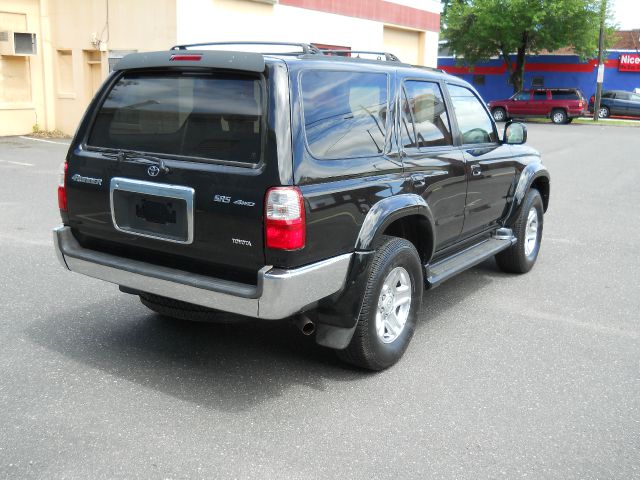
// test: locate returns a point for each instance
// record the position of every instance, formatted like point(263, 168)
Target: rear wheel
point(604, 112)
point(559, 117)
point(392, 298)
point(499, 114)
point(527, 228)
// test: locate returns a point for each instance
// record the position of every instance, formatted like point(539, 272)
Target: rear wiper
point(138, 157)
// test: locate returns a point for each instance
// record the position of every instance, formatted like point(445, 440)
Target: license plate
point(152, 210)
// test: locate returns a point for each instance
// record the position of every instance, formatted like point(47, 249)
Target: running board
point(447, 268)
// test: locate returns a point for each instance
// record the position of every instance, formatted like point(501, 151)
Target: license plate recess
point(152, 210)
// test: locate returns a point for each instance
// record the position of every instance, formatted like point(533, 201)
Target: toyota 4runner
point(327, 189)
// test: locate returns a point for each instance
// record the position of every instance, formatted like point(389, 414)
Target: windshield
point(214, 116)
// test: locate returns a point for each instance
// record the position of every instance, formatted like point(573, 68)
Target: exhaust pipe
point(304, 324)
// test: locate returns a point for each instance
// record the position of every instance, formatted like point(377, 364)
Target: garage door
point(405, 44)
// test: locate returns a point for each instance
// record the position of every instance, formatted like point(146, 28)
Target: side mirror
point(515, 133)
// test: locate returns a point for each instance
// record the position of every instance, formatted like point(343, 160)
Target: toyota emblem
point(153, 171)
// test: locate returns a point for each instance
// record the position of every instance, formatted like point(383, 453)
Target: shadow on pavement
point(230, 367)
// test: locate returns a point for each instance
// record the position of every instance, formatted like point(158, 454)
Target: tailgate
point(172, 170)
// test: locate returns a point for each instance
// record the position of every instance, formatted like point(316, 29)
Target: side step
point(447, 268)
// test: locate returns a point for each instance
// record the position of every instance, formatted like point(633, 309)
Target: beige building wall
point(22, 78)
point(218, 20)
point(81, 53)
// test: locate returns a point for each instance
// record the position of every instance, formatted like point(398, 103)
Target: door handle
point(418, 180)
point(476, 170)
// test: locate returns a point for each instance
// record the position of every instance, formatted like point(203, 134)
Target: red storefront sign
point(629, 62)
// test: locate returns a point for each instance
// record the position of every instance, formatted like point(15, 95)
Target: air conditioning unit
point(18, 43)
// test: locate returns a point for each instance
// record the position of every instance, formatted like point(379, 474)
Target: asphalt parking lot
point(534, 376)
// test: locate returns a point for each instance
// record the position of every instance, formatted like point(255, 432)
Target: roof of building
point(627, 40)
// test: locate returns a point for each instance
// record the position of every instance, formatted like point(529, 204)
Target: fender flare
point(529, 175)
point(387, 211)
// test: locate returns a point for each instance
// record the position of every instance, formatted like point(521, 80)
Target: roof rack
point(389, 57)
point(431, 69)
point(306, 49)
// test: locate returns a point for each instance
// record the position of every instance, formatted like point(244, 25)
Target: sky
point(627, 13)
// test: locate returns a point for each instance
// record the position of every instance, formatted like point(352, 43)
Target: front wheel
point(604, 112)
point(527, 228)
point(392, 298)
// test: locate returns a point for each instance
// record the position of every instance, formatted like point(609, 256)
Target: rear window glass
point(564, 95)
point(344, 113)
point(217, 117)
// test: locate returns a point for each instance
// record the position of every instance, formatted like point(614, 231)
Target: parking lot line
point(43, 140)
point(23, 164)
point(20, 163)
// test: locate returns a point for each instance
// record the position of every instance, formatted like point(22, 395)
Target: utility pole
point(600, 77)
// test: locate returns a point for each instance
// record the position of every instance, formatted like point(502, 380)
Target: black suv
point(326, 189)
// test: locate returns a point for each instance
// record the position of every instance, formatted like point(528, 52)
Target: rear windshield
point(565, 95)
point(216, 117)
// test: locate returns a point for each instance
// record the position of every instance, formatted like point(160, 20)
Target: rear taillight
point(285, 227)
point(62, 188)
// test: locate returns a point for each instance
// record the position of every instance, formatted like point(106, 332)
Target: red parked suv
point(561, 105)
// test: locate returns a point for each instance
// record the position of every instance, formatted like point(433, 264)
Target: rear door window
point(540, 95)
point(345, 113)
point(474, 122)
point(215, 117)
point(425, 122)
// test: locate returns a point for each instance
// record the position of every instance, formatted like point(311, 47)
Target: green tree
point(477, 30)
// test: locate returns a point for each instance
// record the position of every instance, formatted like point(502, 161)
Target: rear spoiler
point(245, 61)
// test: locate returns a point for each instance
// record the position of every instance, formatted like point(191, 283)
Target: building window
point(324, 46)
point(537, 82)
point(65, 73)
point(478, 79)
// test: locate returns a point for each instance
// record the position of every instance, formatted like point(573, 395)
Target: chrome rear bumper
point(279, 293)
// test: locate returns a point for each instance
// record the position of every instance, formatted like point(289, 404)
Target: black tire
point(558, 116)
point(499, 114)
point(515, 259)
point(604, 112)
point(168, 307)
point(367, 349)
